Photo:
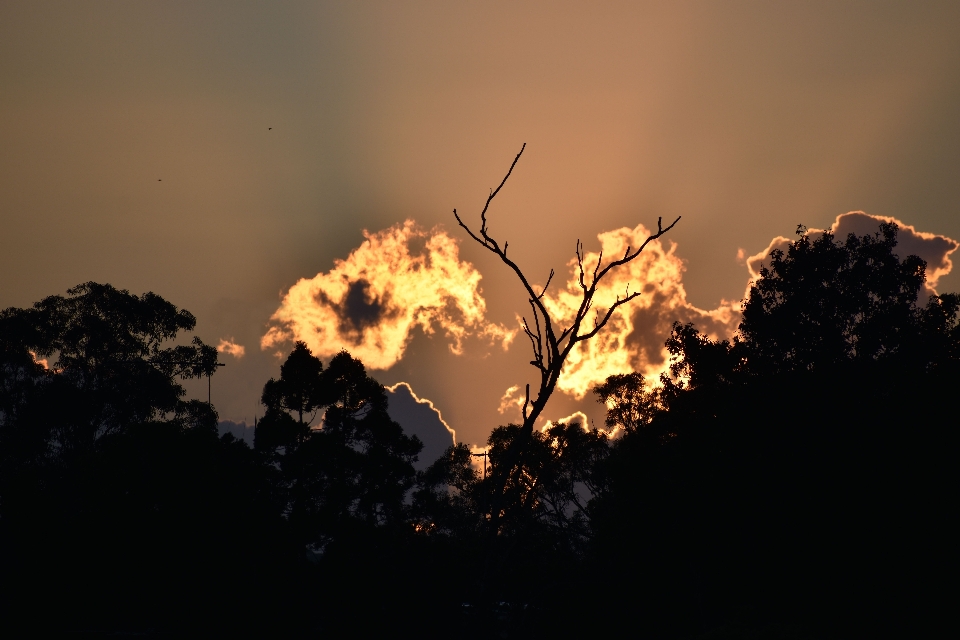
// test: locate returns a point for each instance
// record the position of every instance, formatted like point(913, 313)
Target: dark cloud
point(239, 430)
point(420, 418)
point(362, 309)
point(934, 249)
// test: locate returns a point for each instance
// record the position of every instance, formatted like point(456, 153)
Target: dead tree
point(551, 345)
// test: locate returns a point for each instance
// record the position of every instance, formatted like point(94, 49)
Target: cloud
point(577, 416)
point(40, 361)
point(512, 399)
point(227, 345)
point(633, 339)
point(934, 249)
point(479, 462)
point(419, 417)
point(398, 279)
point(239, 430)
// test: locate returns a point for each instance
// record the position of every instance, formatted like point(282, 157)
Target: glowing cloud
point(40, 361)
point(398, 279)
point(577, 416)
point(512, 399)
point(227, 345)
point(934, 249)
point(633, 339)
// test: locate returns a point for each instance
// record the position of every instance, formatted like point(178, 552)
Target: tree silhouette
point(866, 306)
point(353, 470)
point(551, 344)
point(629, 404)
point(824, 306)
point(102, 457)
point(796, 472)
point(108, 367)
point(299, 390)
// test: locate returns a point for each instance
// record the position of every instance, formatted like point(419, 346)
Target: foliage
point(109, 368)
point(793, 481)
point(118, 500)
point(777, 472)
point(630, 405)
point(825, 304)
point(356, 468)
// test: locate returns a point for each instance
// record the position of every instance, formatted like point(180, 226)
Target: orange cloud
point(633, 339)
point(512, 404)
point(512, 399)
point(41, 361)
point(577, 416)
point(227, 345)
point(398, 279)
point(934, 249)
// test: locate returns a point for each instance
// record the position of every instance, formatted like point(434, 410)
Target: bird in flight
point(269, 128)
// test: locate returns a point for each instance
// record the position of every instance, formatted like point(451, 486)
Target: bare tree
point(551, 345)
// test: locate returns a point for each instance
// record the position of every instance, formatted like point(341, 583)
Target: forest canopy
point(795, 479)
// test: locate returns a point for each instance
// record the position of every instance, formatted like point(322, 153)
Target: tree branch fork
point(549, 345)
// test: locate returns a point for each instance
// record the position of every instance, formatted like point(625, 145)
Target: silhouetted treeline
point(797, 481)
point(802, 475)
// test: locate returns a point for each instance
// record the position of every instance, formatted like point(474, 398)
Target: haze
point(218, 153)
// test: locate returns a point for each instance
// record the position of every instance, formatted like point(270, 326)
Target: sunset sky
point(289, 170)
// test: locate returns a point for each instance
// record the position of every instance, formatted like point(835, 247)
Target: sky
point(289, 170)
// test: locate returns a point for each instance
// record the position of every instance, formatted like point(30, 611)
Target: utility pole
point(484, 454)
point(209, 375)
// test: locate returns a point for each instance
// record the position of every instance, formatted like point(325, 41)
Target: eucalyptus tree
point(95, 362)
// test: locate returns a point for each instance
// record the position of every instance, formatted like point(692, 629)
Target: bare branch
point(580, 264)
point(493, 194)
point(606, 317)
point(597, 268)
point(630, 256)
point(549, 351)
point(526, 403)
point(549, 279)
point(536, 343)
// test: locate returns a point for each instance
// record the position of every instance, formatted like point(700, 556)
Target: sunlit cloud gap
point(397, 280)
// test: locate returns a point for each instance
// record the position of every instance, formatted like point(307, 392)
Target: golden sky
point(220, 153)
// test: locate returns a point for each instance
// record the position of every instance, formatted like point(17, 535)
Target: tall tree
point(299, 391)
point(551, 344)
point(826, 304)
point(94, 362)
point(355, 467)
point(101, 450)
point(800, 468)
